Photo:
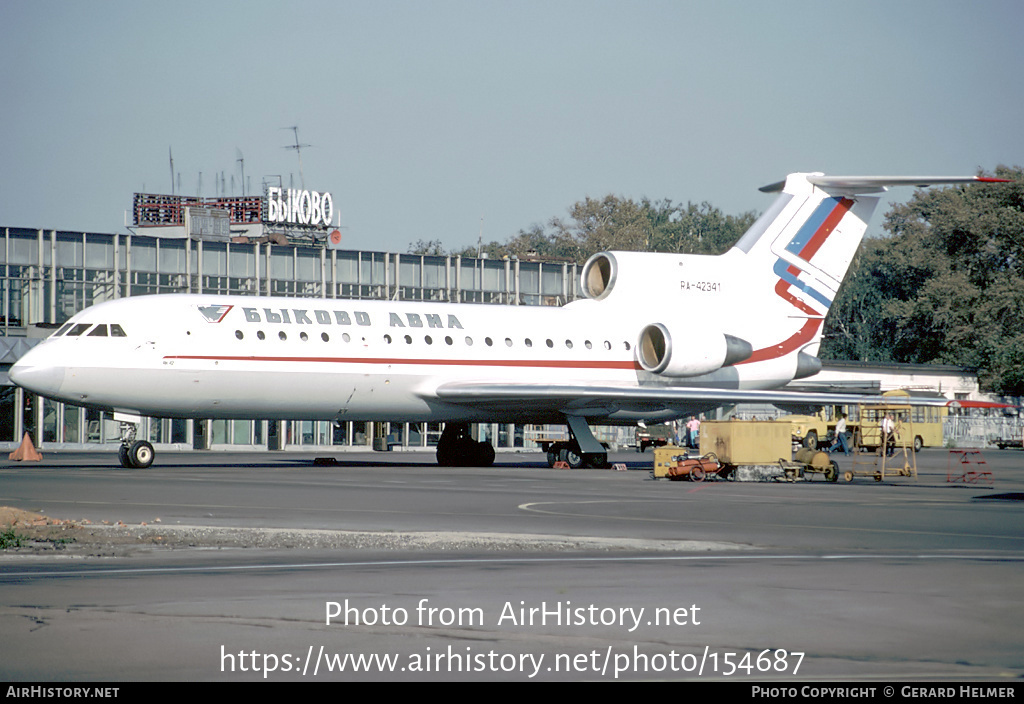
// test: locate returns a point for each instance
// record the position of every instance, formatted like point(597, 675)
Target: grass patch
point(10, 539)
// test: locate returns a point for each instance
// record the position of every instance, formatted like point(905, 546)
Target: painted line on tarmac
point(102, 572)
point(533, 508)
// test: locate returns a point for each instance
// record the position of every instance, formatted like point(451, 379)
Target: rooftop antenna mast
point(171, 157)
point(241, 161)
point(298, 151)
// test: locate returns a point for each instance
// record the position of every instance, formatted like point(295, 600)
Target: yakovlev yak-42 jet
point(658, 337)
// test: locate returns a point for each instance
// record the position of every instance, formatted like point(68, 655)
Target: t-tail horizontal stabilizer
point(877, 184)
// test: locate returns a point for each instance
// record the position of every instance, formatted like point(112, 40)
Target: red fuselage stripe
point(804, 335)
point(547, 364)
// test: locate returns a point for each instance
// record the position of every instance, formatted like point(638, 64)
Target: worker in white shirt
point(888, 434)
point(840, 440)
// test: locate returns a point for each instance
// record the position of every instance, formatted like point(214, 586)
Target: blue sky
point(424, 117)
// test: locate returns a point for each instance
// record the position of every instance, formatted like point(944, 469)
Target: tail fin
point(809, 236)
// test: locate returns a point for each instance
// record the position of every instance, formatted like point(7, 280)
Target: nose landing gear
point(134, 454)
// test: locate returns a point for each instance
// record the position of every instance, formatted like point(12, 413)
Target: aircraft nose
point(41, 379)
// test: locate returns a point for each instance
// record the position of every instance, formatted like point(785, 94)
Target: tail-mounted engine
point(630, 274)
point(598, 275)
point(661, 352)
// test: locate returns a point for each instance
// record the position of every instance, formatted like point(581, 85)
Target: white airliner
point(660, 336)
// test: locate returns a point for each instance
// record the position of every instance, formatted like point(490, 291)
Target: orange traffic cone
point(26, 451)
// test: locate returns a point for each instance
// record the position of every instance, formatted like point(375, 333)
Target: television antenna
point(298, 151)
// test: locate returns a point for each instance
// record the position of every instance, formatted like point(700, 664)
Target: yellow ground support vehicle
point(896, 454)
point(809, 430)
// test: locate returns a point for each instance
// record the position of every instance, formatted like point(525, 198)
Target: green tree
point(619, 223)
point(694, 229)
point(432, 247)
point(609, 223)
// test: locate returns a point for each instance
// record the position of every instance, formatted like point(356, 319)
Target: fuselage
point(201, 356)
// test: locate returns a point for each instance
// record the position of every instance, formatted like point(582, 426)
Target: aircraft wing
point(603, 400)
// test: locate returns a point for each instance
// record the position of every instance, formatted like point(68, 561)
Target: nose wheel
point(138, 455)
point(134, 454)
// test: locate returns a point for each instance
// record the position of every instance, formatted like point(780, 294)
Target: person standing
point(888, 434)
point(694, 427)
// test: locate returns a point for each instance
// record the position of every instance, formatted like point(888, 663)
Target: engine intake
point(599, 275)
point(660, 352)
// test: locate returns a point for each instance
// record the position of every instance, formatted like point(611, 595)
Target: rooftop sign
point(296, 207)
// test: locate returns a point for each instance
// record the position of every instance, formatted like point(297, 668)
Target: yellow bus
point(917, 426)
point(926, 421)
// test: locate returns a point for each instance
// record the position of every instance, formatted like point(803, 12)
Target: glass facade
point(48, 276)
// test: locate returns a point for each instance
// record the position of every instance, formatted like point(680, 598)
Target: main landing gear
point(582, 450)
point(134, 454)
point(456, 448)
point(569, 452)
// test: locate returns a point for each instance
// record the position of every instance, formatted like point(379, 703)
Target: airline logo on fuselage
point(305, 316)
point(214, 314)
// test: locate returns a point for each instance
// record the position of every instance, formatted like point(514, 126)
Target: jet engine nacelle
point(629, 275)
point(659, 351)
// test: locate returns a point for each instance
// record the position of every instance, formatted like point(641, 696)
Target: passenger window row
point(408, 339)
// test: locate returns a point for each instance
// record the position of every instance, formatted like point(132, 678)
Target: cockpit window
point(100, 330)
